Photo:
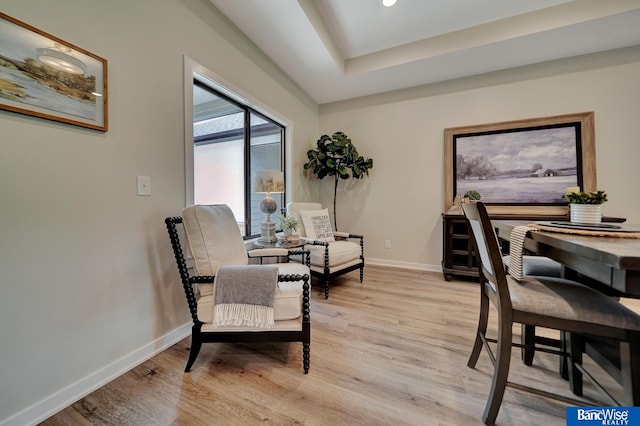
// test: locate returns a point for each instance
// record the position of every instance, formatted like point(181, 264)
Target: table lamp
point(267, 182)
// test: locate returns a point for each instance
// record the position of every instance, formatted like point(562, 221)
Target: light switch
point(144, 185)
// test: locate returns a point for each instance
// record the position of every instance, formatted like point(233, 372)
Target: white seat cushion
point(337, 268)
point(284, 325)
point(292, 268)
point(287, 302)
point(339, 252)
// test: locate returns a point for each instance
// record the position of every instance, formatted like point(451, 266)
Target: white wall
point(402, 200)
point(88, 283)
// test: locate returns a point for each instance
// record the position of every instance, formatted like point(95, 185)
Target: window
point(231, 142)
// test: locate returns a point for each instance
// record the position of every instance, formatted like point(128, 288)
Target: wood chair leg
point(563, 360)
point(326, 288)
point(306, 351)
point(630, 369)
point(482, 329)
point(501, 372)
point(196, 344)
point(575, 345)
point(361, 274)
point(529, 340)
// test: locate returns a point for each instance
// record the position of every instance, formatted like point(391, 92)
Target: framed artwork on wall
point(44, 76)
point(522, 166)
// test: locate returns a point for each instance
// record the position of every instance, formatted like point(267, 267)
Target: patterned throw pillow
point(317, 224)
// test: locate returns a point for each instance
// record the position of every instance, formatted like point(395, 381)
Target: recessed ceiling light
point(388, 3)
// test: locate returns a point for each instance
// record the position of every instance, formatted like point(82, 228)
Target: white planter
point(586, 213)
point(290, 236)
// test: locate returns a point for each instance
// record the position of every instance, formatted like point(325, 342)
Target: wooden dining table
point(610, 263)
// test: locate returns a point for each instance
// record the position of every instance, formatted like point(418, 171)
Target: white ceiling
point(342, 49)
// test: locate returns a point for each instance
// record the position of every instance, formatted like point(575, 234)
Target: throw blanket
point(516, 247)
point(244, 296)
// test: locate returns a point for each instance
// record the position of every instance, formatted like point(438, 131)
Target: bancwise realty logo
point(604, 416)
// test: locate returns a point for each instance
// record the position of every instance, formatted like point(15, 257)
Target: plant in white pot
point(586, 207)
point(472, 195)
point(289, 224)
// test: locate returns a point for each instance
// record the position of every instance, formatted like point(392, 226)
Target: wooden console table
point(458, 248)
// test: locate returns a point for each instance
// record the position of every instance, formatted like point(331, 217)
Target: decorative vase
point(586, 213)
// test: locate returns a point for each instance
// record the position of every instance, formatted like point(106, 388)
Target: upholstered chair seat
point(341, 253)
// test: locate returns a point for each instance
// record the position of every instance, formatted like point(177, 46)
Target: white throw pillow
point(317, 224)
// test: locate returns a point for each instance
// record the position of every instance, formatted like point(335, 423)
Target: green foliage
point(288, 222)
point(336, 156)
point(472, 194)
point(597, 197)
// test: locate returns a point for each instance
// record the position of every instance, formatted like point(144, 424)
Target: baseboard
point(47, 407)
point(403, 265)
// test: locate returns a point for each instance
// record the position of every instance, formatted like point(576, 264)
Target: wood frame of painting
point(44, 76)
point(585, 153)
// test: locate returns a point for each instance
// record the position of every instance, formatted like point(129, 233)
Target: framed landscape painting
point(524, 166)
point(44, 76)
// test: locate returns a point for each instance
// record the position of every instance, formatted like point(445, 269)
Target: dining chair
point(537, 266)
point(214, 242)
point(552, 303)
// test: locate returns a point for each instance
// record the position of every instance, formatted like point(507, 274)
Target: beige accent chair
point(214, 239)
point(329, 259)
point(567, 306)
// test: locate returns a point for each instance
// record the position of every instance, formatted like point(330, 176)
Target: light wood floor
point(391, 351)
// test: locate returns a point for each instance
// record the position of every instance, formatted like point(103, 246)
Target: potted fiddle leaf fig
point(336, 156)
point(585, 207)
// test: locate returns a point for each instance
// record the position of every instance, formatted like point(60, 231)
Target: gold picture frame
point(47, 77)
point(518, 130)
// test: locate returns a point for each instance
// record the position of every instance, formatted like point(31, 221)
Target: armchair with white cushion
point(333, 253)
point(223, 292)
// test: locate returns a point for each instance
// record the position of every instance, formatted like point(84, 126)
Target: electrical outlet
point(144, 185)
point(387, 244)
